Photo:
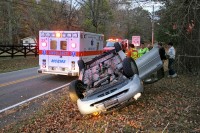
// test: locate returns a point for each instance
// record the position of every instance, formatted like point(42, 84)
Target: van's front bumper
point(121, 95)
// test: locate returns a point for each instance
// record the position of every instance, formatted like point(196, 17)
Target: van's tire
point(117, 46)
point(129, 67)
point(81, 64)
point(76, 89)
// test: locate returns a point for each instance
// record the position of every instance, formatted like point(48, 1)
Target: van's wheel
point(117, 46)
point(81, 64)
point(129, 67)
point(76, 89)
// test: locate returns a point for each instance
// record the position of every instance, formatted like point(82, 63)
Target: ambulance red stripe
point(69, 53)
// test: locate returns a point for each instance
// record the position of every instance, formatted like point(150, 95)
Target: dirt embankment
point(170, 105)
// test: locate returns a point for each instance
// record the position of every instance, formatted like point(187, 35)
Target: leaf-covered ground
point(169, 106)
point(8, 64)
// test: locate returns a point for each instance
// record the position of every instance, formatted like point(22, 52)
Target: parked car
point(112, 79)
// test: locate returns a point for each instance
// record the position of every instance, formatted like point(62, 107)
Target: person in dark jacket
point(161, 73)
point(162, 52)
point(124, 46)
point(149, 46)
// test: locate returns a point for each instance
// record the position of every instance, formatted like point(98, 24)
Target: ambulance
point(59, 51)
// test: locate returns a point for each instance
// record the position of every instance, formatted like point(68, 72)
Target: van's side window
point(53, 44)
point(63, 45)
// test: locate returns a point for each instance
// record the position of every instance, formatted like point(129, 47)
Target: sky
point(147, 5)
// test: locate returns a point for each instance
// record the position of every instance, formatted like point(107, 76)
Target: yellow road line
point(21, 80)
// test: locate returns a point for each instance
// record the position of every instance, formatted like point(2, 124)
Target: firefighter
point(143, 50)
point(132, 52)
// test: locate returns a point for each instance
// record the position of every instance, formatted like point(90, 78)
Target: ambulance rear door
point(57, 60)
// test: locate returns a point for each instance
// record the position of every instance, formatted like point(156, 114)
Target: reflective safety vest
point(133, 53)
point(143, 51)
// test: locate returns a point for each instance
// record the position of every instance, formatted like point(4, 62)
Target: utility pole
point(152, 26)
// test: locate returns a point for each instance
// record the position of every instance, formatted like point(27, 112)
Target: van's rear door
point(149, 63)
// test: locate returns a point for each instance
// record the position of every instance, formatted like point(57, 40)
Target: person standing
point(162, 52)
point(124, 46)
point(132, 52)
point(171, 60)
point(142, 50)
point(161, 72)
point(149, 46)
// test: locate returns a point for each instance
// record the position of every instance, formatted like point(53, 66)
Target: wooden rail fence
point(18, 50)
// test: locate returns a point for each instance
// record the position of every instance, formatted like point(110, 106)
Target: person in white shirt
point(171, 59)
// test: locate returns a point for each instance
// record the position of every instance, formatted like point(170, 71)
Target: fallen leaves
point(162, 108)
point(8, 64)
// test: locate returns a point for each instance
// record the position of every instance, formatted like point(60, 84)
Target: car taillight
point(73, 45)
point(44, 44)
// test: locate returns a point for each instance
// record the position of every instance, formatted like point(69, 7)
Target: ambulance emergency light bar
point(59, 35)
point(114, 40)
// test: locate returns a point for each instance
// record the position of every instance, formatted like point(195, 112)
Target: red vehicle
point(110, 44)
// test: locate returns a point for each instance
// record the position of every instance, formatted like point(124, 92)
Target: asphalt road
point(18, 86)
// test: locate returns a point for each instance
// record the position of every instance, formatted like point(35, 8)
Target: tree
point(28, 17)
point(179, 22)
point(141, 23)
point(95, 14)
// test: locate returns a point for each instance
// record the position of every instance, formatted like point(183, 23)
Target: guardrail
point(18, 50)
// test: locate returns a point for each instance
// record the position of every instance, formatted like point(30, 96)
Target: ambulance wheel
point(129, 67)
point(76, 89)
point(117, 47)
point(81, 64)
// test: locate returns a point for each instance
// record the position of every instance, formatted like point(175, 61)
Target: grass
point(8, 64)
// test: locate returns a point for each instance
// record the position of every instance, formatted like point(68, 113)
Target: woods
point(112, 18)
point(179, 22)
